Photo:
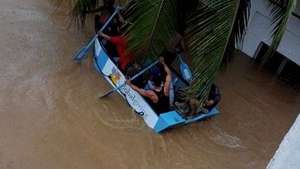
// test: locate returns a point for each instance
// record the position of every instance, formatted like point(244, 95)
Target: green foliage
point(207, 36)
point(241, 20)
point(154, 22)
point(281, 11)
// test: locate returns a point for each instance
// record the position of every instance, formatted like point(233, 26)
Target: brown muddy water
point(50, 117)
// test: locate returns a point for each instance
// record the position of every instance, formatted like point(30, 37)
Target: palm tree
point(210, 26)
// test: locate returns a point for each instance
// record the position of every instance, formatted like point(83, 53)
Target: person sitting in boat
point(193, 106)
point(113, 28)
point(214, 98)
point(190, 107)
point(131, 70)
point(159, 71)
point(121, 45)
point(107, 10)
point(158, 97)
point(174, 46)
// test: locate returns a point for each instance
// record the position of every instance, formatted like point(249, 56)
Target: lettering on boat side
point(132, 100)
point(117, 79)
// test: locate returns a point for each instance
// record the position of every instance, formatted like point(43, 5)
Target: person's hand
point(162, 60)
point(209, 102)
point(127, 23)
point(128, 82)
point(100, 33)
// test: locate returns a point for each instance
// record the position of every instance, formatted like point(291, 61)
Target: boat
point(107, 68)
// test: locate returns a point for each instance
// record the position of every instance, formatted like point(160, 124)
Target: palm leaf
point(239, 28)
point(209, 24)
point(207, 34)
point(154, 21)
point(207, 37)
point(241, 20)
point(281, 12)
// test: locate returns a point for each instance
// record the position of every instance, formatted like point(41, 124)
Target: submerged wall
point(288, 154)
point(260, 29)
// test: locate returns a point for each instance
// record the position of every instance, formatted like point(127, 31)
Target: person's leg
point(194, 104)
point(182, 107)
point(209, 105)
point(171, 95)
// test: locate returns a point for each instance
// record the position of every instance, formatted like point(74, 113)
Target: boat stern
point(168, 120)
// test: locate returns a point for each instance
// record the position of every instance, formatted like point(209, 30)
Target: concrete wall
point(288, 154)
point(260, 29)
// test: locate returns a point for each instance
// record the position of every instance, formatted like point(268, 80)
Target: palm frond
point(209, 25)
point(208, 29)
point(281, 12)
point(154, 21)
point(207, 37)
point(241, 20)
point(239, 28)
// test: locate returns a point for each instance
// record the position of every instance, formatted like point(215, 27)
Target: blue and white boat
point(110, 71)
point(107, 68)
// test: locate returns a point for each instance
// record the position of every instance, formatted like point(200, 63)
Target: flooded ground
point(50, 116)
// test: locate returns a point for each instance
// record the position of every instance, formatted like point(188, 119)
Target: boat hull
point(114, 76)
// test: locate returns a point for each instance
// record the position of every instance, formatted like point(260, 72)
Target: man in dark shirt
point(158, 97)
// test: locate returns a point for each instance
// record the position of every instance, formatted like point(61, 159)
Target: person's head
point(132, 69)
point(180, 30)
point(109, 3)
point(157, 81)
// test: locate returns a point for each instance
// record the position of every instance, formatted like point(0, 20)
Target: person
point(190, 107)
point(158, 97)
point(107, 10)
point(174, 46)
point(214, 98)
point(113, 28)
point(131, 70)
point(158, 70)
point(121, 46)
point(193, 106)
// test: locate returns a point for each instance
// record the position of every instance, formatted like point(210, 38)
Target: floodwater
point(50, 117)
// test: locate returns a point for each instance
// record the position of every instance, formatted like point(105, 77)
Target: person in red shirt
point(121, 45)
point(114, 26)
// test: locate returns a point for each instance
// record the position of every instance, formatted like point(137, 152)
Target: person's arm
point(116, 40)
point(168, 77)
point(143, 92)
point(184, 50)
point(182, 45)
point(104, 35)
point(121, 18)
